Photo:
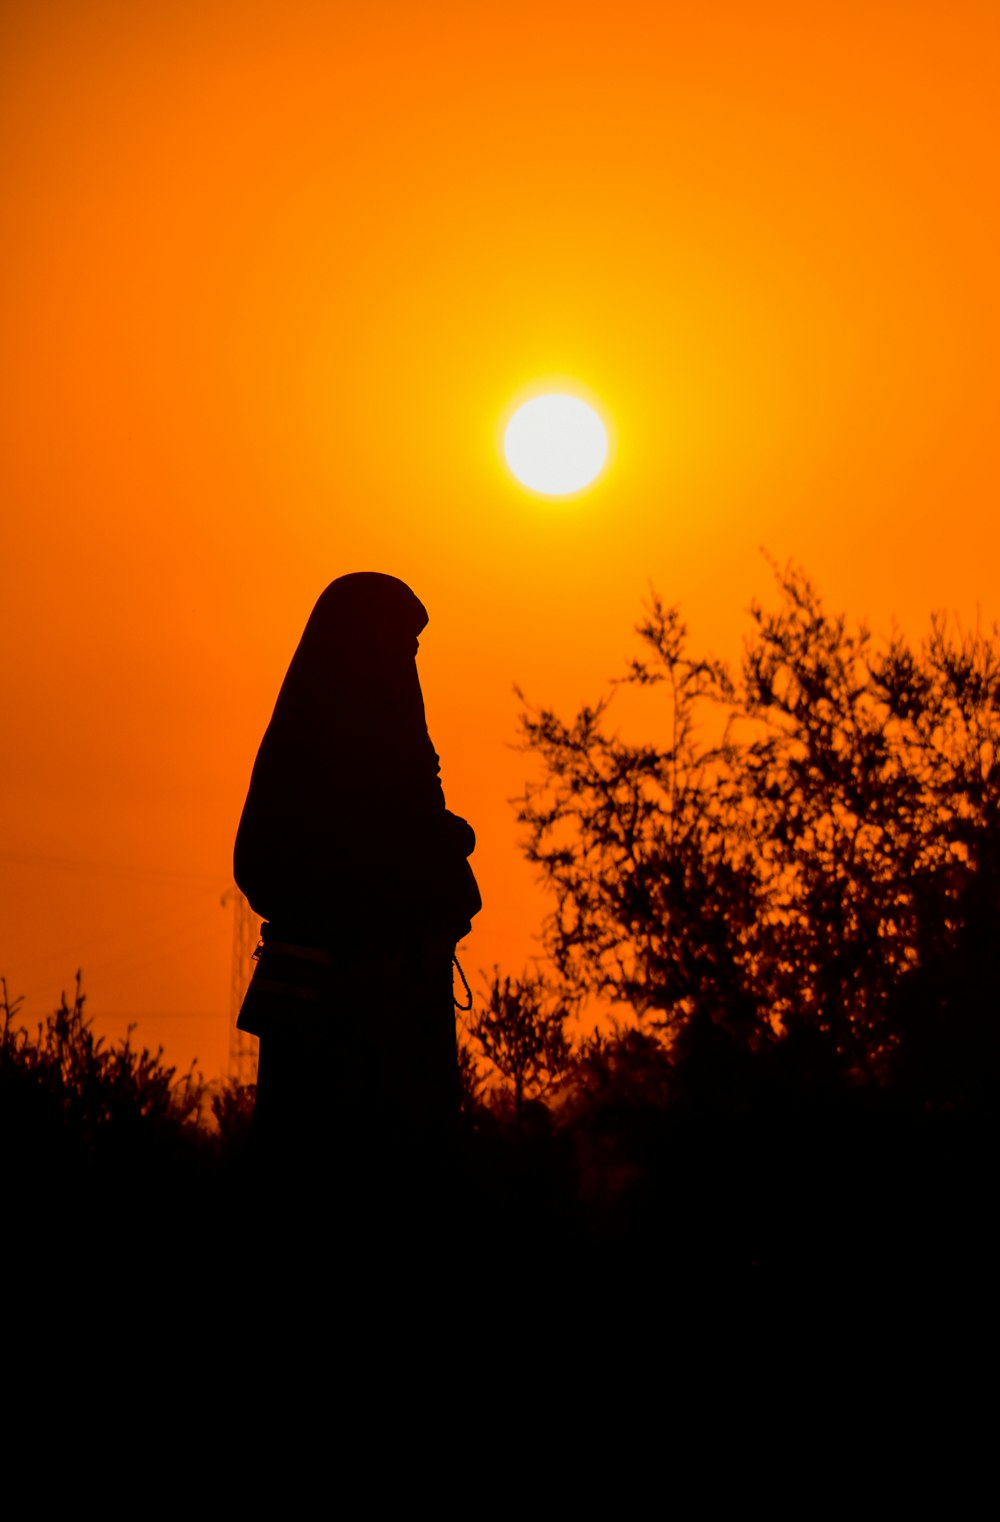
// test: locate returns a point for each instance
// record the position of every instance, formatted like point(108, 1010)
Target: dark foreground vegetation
point(790, 898)
point(698, 1166)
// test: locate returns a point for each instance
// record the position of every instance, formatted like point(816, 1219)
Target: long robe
point(348, 852)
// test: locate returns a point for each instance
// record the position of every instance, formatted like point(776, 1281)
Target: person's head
point(347, 740)
point(361, 635)
point(368, 608)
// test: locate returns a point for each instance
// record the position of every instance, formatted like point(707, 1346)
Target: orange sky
point(272, 277)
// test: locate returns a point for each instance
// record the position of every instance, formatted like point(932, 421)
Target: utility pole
point(246, 933)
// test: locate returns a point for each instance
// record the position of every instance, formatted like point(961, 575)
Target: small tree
point(642, 845)
point(826, 863)
point(872, 778)
point(521, 1030)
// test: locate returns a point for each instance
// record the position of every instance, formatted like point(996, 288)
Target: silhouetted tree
point(470, 1076)
point(811, 844)
point(652, 893)
point(521, 1030)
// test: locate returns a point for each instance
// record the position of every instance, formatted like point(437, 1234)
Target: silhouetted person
point(347, 851)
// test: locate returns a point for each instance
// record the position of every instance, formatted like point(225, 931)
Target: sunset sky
point(274, 276)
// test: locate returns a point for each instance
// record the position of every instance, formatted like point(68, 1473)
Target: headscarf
point(345, 805)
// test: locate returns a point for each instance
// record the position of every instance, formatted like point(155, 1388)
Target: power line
point(156, 1014)
point(194, 931)
point(138, 958)
point(157, 916)
point(98, 868)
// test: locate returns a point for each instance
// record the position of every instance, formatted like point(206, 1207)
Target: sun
point(556, 444)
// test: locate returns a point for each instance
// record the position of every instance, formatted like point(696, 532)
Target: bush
point(805, 851)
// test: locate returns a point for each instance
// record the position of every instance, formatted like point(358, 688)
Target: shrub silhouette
point(109, 1135)
point(808, 857)
point(521, 1031)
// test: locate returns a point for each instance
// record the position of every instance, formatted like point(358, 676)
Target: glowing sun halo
point(555, 444)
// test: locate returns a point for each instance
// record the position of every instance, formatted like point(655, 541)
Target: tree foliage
point(521, 1031)
point(807, 850)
